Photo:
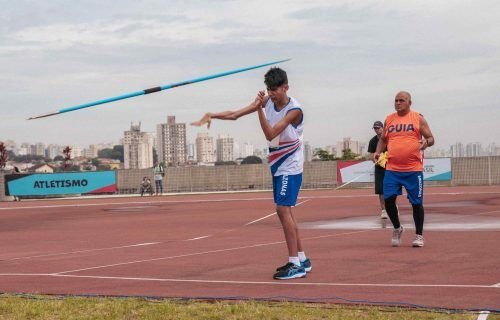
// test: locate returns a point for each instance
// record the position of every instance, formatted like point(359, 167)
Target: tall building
point(493, 150)
point(363, 149)
point(224, 149)
point(191, 152)
point(25, 149)
point(90, 152)
point(54, 150)
point(308, 152)
point(457, 150)
point(137, 148)
point(246, 150)
point(171, 142)
point(76, 152)
point(473, 149)
point(347, 143)
point(204, 148)
point(40, 149)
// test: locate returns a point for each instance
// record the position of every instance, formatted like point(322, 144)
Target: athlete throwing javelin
point(406, 135)
point(281, 120)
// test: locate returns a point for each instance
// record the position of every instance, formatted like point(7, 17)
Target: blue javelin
point(151, 90)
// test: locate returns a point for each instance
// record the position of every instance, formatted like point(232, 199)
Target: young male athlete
point(406, 135)
point(281, 120)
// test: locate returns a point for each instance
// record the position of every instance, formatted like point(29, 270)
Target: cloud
point(349, 58)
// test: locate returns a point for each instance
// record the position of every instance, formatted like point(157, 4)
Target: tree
point(105, 153)
point(95, 162)
point(115, 153)
point(251, 160)
point(347, 154)
point(58, 158)
point(67, 156)
point(3, 155)
point(118, 153)
point(155, 155)
point(323, 155)
point(30, 158)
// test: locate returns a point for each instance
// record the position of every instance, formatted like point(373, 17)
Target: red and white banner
point(435, 169)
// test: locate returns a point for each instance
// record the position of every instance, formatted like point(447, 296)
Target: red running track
point(227, 246)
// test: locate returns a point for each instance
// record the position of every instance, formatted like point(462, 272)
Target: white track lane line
point(151, 204)
point(272, 214)
point(198, 238)
point(127, 246)
point(221, 200)
point(203, 253)
point(332, 284)
point(82, 251)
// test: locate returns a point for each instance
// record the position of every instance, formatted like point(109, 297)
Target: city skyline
point(241, 148)
point(348, 61)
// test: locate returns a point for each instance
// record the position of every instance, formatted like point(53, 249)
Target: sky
point(349, 59)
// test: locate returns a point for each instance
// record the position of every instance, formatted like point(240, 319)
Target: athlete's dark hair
point(275, 77)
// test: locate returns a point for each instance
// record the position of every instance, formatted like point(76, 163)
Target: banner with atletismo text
point(42, 184)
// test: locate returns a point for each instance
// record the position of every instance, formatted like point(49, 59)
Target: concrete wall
point(475, 171)
point(226, 178)
point(317, 174)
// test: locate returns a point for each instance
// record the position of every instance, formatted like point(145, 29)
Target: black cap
point(378, 124)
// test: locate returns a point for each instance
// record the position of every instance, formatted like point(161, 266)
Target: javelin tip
point(44, 115)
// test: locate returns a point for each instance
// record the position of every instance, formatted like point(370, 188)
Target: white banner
point(435, 169)
point(363, 171)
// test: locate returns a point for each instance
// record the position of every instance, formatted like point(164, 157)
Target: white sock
point(302, 256)
point(294, 260)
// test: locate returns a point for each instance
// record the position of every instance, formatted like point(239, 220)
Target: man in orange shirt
point(406, 135)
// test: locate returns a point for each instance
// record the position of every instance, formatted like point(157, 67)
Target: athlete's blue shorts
point(286, 189)
point(412, 181)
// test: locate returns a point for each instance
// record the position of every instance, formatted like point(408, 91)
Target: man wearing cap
point(378, 126)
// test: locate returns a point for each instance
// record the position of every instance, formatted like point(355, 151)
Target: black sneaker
point(283, 267)
point(291, 271)
point(306, 264)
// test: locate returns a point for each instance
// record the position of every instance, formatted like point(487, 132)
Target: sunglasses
point(375, 128)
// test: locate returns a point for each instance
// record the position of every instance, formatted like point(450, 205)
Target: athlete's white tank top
point(286, 151)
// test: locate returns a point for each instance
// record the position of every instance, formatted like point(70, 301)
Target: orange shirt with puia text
point(403, 142)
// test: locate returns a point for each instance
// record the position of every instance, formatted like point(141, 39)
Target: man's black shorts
point(379, 179)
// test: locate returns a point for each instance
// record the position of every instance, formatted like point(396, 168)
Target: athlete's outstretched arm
point(425, 130)
point(225, 115)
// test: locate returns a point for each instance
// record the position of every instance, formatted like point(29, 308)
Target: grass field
point(54, 307)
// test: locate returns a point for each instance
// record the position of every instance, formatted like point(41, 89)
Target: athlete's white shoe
point(383, 214)
point(396, 236)
point(419, 241)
